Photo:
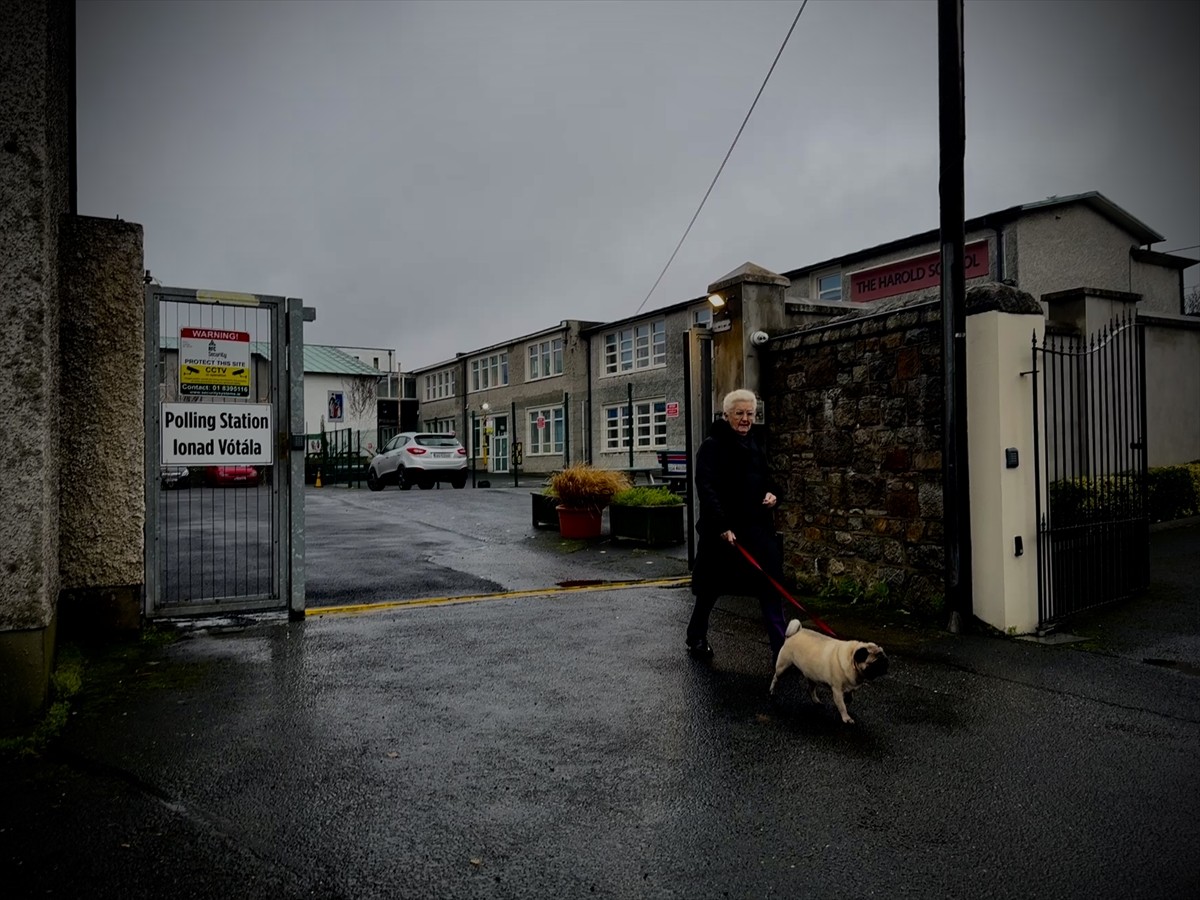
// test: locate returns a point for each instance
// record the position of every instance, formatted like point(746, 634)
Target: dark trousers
point(772, 612)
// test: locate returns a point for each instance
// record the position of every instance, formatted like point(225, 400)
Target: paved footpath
point(562, 745)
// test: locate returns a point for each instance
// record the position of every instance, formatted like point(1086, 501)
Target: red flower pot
point(579, 524)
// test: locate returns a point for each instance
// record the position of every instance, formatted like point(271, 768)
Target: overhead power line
point(1181, 249)
point(725, 160)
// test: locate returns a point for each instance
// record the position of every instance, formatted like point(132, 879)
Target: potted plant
point(583, 491)
point(653, 515)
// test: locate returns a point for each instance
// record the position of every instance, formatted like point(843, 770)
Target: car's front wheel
point(402, 480)
point(373, 481)
point(425, 482)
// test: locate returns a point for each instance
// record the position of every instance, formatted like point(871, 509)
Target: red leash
point(779, 587)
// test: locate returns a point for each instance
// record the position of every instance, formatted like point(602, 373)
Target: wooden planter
point(579, 524)
point(545, 510)
point(648, 524)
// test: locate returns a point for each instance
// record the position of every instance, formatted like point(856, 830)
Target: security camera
point(759, 338)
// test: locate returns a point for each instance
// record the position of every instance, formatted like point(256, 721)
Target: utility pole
point(952, 148)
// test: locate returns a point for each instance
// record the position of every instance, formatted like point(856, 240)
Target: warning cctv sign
point(214, 361)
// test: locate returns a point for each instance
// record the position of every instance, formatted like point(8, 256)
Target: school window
point(829, 287)
point(702, 317)
point(549, 438)
point(649, 425)
point(439, 384)
point(489, 372)
point(439, 426)
point(638, 347)
point(545, 359)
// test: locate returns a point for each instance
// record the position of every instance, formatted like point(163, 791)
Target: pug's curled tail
point(793, 627)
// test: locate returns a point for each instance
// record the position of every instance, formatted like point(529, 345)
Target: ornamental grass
point(584, 487)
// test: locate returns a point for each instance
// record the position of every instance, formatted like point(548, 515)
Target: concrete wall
point(317, 386)
point(103, 504)
point(1172, 389)
point(1062, 248)
point(36, 73)
point(1159, 287)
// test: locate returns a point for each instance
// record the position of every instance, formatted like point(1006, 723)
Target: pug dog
point(843, 665)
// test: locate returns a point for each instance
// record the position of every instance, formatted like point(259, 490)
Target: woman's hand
point(770, 499)
point(729, 536)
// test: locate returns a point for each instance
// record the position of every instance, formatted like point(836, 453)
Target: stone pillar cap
point(747, 273)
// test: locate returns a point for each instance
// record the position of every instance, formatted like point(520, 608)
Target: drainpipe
point(566, 429)
point(587, 407)
point(629, 413)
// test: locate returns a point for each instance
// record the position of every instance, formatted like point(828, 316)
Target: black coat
point(732, 477)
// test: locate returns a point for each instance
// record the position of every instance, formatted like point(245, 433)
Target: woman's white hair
point(741, 395)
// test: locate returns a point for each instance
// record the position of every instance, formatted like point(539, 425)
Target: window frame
point(488, 372)
point(820, 292)
point(555, 426)
point(649, 425)
point(440, 385)
point(635, 348)
point(544, 355)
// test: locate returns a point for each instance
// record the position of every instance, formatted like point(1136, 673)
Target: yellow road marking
point(355, 608)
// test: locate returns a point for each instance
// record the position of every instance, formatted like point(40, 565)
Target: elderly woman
point(737, 497)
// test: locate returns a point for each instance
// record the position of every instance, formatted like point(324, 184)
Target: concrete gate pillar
point(36, 74)
point(753, 308)
point(1001, 321)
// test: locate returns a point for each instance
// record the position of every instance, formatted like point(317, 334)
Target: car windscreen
point(436, 440)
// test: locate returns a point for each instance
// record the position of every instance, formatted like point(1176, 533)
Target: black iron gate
point(1090, 415)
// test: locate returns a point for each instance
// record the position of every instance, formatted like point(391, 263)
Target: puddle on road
point(1185, 668)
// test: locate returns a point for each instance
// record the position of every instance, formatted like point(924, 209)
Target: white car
point(420, 458)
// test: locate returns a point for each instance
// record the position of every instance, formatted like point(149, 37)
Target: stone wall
point(855, 410)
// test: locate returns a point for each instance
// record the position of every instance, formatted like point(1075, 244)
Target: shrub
point(1077, 501)
point(647, 496)
point(584, 487)
point(1173, 492)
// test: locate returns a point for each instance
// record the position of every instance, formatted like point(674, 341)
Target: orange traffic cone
point(318, 484)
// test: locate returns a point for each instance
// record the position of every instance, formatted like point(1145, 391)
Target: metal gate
point(1090, 412)
point(224, 453)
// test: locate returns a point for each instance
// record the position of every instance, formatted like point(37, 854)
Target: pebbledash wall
point(72, 503)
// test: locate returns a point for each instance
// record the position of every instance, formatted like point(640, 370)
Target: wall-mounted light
point(716, 300)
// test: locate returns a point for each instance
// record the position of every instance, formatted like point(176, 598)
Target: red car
point(231, 476)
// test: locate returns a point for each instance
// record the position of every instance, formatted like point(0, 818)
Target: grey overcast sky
point(435, 177)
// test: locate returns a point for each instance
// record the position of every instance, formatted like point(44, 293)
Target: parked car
point(419, 458)
point(174, 477)
point(231, 476)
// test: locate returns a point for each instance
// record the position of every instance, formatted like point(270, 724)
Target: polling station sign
point(216, 434)
point(214, 362)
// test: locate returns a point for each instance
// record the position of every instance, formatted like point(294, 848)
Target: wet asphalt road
point(365, 546)
point(561, 745)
